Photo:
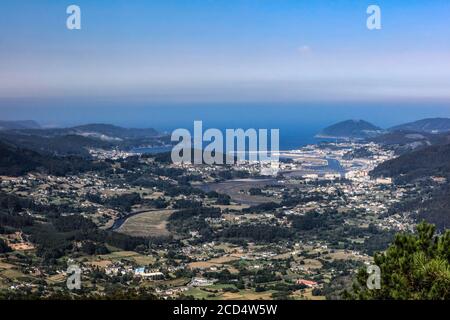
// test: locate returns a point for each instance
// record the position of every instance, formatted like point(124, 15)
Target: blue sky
point(225, 51)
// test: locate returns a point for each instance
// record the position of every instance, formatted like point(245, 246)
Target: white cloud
point(305, 49)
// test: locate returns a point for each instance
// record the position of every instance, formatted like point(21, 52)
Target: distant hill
point(14, 125)
point(99, 131)
point(111, 131)
point(435, 210)
point(406, 141)
point(350, 129)
point(423, 164)
point(420, 164)
point(16, 161)
point(77, 140)
point(59, 145)
point(433, 161)
point(431, 125)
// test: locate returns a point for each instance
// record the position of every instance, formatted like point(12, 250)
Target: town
point(207, 231)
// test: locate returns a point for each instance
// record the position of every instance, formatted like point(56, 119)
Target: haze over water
point(298, 122)
point(298, 66)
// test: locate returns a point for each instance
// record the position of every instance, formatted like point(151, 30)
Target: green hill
point(430, 125)
point(350, 129)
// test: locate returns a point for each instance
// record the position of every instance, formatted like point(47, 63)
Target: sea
point(298, 122)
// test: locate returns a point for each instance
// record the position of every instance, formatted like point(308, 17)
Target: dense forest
point(15, 161)
point(421, 164)
point(77, 140)
point(414, 267)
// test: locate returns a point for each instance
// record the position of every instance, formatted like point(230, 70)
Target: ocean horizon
point(298, 122)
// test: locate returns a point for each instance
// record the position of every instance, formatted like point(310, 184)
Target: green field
point(215, 293)
point(106, 259)
point(147, 224)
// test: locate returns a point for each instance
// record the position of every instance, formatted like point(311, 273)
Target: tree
point(223, 199)
point(415, 267)
point(4, 247)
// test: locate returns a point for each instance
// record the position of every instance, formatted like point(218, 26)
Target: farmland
point(147, 224)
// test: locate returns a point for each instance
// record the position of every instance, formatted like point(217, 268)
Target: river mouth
point(238, 189)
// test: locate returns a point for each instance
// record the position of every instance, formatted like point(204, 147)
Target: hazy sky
point(225, 50)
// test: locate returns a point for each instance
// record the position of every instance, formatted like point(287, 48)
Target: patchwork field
point(216, 262)
point(215, 293)
point(234, 189)
point(105, 260)
point(147, 224)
